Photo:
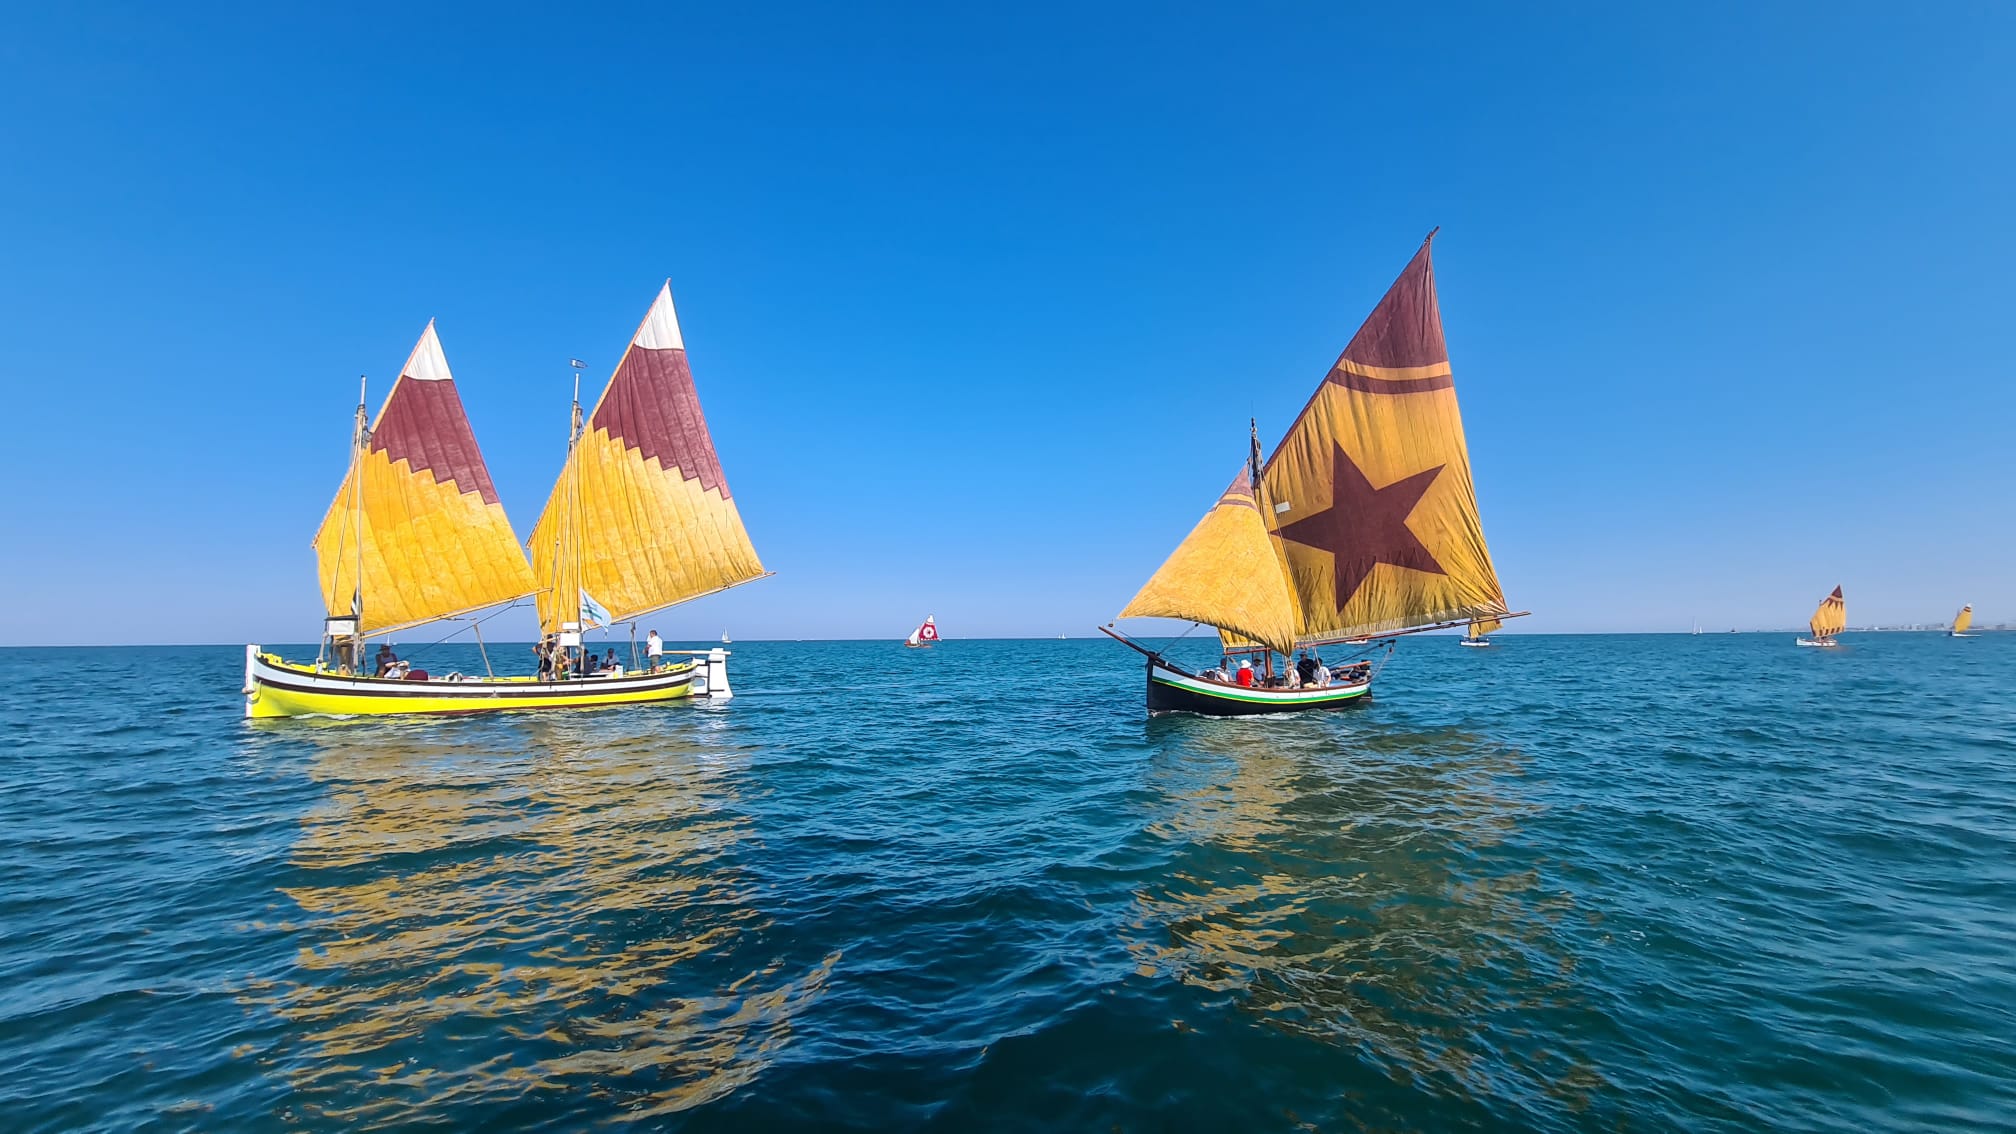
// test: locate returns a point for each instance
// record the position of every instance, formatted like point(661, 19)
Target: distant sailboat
point(724, 637)
point(1362, 525)
point(1962, 621)
point(1476, 635)
point(925, 634)
point(1830, 619)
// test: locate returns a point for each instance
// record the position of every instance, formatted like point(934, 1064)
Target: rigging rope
point(418, 650)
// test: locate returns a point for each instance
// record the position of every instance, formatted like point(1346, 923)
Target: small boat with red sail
point(925, 634)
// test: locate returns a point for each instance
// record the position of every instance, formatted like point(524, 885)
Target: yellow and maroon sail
point(416, 533)
point(1225, 574)
point(1373, 508)
point(1964, 619)
point(641, 517)
point(1831, 617)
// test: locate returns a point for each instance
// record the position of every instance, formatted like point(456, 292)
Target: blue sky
point(979, 300)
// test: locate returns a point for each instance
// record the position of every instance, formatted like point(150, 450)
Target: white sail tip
point(661, 324)
point(427, 362)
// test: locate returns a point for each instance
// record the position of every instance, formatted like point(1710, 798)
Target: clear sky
point(979, 300)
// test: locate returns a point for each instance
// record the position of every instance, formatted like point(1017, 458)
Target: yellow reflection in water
point(1344, 891)
point(547, 909)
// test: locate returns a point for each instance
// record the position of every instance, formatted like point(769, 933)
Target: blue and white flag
point(577, 364)
point(592, 613)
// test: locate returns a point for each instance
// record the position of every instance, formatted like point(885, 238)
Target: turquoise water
point(1642, 883)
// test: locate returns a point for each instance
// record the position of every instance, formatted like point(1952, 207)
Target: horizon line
point(1043, 638)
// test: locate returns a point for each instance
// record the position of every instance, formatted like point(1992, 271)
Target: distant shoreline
point(682, 642)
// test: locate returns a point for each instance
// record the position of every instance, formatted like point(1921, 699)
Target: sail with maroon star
point(1372, 507)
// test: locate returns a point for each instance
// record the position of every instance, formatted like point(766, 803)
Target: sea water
point(1644, 883)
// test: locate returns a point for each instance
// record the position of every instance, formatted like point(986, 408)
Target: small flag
point(577, 364)
point(592, 613)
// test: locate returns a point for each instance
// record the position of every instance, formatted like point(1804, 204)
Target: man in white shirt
point(654, 650)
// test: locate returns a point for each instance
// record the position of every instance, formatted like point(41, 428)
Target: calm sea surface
point(1639, 883)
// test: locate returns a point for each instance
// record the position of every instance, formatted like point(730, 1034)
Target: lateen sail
point(1480, 629)
point(1373, 508)
point(927, 631)
point(1831, 618)
point(641, 517)
point(1964, 619)
point(419, 503)
point(1226, 574)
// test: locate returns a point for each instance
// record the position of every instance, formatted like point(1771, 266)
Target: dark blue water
point(1643, 883)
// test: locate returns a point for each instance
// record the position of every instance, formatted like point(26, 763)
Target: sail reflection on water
point(1354, 898)
point(548, 909)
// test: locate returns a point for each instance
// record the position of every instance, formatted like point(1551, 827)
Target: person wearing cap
point(1305, 668)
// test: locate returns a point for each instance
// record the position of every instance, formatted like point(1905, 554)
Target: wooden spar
point(703, 594)
point(1131, 644)
point(1380, 637)
point(1363, 639)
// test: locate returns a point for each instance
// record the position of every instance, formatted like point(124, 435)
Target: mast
point(360, 433)
point(567, 536)
point(361, 436)
point(576, 537)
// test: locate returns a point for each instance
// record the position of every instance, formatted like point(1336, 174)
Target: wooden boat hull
point(276, 688)
point(1171, 691)
point(1821, 643)
point(1475, 643)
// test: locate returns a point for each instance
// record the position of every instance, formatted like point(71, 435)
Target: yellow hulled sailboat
point(417, 534)
point(1828, 620)
point(1363, 524)
point(1962, 622)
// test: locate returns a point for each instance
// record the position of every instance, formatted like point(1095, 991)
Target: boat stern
point(715, 685)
